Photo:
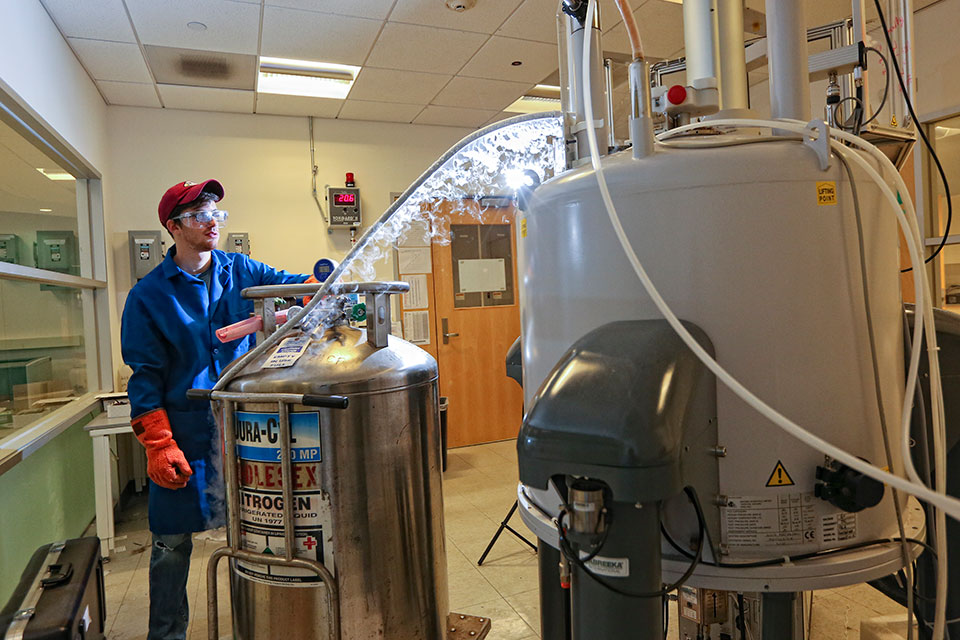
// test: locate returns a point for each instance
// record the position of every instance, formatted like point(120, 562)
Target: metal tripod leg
point(505, 525)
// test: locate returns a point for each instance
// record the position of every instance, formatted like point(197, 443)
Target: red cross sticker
point(309, 543)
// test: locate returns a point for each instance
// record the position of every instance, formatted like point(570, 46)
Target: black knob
point(846, 488)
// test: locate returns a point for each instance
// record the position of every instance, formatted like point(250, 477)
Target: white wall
point(37, 64)
point(264, 165)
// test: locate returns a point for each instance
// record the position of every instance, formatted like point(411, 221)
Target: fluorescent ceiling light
point(541, 98)
point(305, 78)
point(56, 175)
point(46, 210)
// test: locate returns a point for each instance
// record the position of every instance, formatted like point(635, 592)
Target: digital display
point(346, 199)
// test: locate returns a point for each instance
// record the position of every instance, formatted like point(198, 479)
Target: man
point(167, 338)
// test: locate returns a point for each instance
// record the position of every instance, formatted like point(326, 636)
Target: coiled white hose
point(913, 485)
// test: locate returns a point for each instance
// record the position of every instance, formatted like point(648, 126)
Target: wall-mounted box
point(146, 252)
point(9, 248)
point(238, 243)
point(57, 251)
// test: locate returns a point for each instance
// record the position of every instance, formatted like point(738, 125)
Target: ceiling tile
point(363, 110)
point(297, 105)
point(205, 99)
point(232, 27)
point(661, 29)
point(378, 9)
point(100, 20)
point(495, 58)
point(430, 49)
point(202, 68)
point(533, 20)
point(479, 93)
point(306, 35)
point(454, 116)
point(484, 17)
point(131, 94)
point(111, 60)
point(389, 85)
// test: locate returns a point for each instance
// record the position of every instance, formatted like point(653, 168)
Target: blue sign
point(258, 436)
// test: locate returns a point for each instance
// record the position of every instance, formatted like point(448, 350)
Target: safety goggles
point(203, 218)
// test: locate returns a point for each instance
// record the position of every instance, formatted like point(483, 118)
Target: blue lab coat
point(167, 337)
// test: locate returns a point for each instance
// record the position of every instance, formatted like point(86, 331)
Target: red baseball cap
point(184, 192)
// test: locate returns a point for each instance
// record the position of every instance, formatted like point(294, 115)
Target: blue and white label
point(287, 353)
point(258, 436)
point(261, 497)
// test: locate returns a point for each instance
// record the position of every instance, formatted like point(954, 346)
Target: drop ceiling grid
point(402, 9)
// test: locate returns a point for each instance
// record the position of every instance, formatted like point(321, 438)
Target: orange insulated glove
point(310, 280)
point(166, 464)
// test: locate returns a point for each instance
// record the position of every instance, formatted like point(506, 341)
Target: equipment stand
point(504, 525)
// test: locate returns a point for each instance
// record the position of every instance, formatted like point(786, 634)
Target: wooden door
point(475, 296)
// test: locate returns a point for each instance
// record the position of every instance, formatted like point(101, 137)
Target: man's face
point(192, 234)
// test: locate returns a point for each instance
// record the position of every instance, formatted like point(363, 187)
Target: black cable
point(857, 111)
point(923, 136)
point(886, 86)
point(573, 556)
point(742, 618)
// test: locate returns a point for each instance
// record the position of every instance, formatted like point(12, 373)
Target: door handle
point(446, 331)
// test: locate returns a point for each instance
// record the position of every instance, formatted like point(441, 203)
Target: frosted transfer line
point(548, 121)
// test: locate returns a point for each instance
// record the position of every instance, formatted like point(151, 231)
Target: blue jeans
point(169, 566)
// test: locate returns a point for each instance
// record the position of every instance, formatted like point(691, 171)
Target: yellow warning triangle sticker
point(780, 477)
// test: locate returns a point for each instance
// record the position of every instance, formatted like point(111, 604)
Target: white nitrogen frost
point(476, 170)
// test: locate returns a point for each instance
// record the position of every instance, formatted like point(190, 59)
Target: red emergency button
point(677, 94)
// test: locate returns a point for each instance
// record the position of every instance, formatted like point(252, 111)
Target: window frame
point(928, 179)
point(92, 281)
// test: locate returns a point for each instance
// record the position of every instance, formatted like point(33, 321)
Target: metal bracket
point(378, 319)
point(820, 143)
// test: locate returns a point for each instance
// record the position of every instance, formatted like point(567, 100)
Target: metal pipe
point(313, 174)
point(579, 83)
point(641, 122)
point(734, 87)
point(333, 591)
point(699, 40)
point(787, 60)
point(231, 482)
point(286, 480)
point(297, 290)
point(608, 87)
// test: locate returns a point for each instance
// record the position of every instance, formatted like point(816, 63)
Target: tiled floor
point(479, 488)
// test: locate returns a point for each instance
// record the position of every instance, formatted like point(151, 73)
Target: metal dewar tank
point(738, 242)
point(367, 498)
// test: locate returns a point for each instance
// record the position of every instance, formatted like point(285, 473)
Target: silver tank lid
point(341, 362)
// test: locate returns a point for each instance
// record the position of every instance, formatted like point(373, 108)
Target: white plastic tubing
point(924, 319)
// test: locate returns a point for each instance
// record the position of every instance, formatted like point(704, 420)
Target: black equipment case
point(60, 595)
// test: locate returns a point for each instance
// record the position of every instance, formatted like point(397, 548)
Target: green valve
point(359, 312)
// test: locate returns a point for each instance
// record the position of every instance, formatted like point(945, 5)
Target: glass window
point(43, 360)
point(946, 140)
point(48, 314)
point(38, 208)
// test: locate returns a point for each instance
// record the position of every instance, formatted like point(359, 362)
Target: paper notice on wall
point(416, 298)
point(414, 260)
point(416, 327)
